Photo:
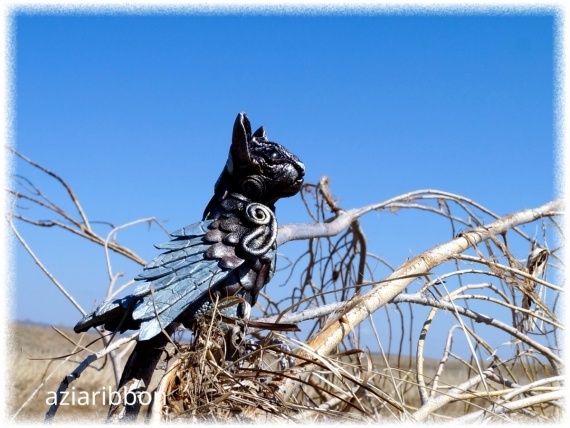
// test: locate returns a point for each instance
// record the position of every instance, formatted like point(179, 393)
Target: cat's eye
point(272, 155)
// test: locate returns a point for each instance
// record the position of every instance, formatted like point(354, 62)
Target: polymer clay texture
point(231, 252)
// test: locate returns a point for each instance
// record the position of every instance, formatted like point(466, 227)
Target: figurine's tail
point(114, 315)
point(137, 376)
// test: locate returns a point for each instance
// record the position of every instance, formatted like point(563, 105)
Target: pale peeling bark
point(361, 307)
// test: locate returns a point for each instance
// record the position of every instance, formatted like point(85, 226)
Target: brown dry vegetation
point(33, 348)
point(30, 353)
point(494, 282)
point(350, 386)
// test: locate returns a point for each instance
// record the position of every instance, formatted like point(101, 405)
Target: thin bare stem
point(60, 287)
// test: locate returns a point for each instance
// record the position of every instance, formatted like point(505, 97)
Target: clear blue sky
point(136, 112)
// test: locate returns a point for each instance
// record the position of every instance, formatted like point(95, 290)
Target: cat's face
point(261, 169)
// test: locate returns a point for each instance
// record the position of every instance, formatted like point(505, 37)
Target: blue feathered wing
point(178, 278)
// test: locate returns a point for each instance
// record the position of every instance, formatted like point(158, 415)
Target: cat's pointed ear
point(240, 137)
point(260, 133)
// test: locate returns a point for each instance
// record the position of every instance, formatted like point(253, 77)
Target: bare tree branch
point(81, 367)
point(60, 287)
point(61, 181)
point(362, 306)
point(343, 293)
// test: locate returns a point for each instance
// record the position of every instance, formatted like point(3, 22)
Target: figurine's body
point(230, 252)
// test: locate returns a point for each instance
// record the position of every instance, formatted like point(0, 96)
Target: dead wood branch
point(342, 291)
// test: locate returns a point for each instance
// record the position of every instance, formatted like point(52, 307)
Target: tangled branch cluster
point(469, 330)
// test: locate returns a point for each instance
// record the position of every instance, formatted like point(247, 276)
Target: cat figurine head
point(261, 170)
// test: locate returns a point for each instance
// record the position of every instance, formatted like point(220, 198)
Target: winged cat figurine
point(230, 252)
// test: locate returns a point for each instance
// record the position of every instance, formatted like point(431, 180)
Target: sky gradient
point(136, 112)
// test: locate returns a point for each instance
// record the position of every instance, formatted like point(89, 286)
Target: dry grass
point(204, 385)
point(209, 384)
point(480, 286)
point(30, 353)
point(349, 387)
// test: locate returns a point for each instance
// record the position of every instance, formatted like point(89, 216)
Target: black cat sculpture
point(231, 252)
